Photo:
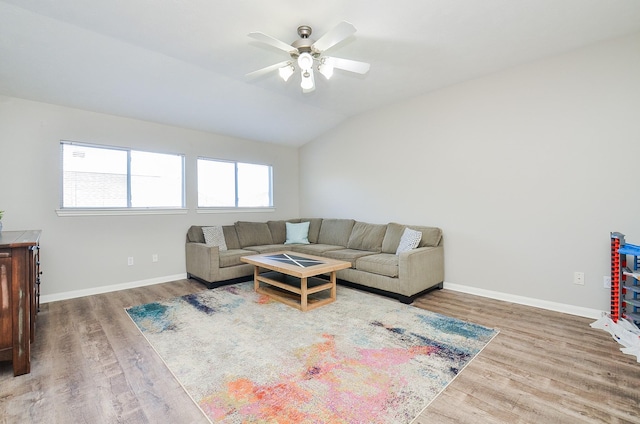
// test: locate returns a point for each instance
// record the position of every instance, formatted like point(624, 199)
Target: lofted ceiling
point(183, 62)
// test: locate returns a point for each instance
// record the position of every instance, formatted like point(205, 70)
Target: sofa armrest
point(421, 268)
point(203, 261)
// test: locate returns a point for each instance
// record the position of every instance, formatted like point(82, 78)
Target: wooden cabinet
point(19, 296)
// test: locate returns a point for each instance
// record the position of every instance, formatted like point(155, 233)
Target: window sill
point(234, 210)
point(120, 211)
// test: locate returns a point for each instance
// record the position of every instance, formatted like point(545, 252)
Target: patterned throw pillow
point(409, 240)
point(214, 236)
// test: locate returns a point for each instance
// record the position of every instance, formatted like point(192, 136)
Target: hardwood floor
point(90, 364)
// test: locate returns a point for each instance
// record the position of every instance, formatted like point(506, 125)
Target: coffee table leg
point(256, 272)
point(334, 294)
point(303, 294)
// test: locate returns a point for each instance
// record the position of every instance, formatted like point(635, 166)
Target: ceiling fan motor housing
point(304, 44)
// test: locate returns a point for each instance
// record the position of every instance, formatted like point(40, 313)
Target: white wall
point(81, 254)
point(526, 171)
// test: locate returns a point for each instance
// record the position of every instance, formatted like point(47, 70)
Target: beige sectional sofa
point(370, 248)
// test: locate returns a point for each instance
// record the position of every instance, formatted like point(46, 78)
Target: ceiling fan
point(306, 52)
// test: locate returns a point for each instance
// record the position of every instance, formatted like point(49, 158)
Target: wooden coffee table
point(290, 278)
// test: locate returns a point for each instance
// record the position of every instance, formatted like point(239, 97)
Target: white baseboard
point(528, 301)
point(106, 289)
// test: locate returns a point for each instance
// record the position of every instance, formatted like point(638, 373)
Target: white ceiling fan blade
point(267, 39)
point(349, 65)
point(266, 70)
point(341, 31)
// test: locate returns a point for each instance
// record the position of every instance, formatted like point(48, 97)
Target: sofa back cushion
point(231, 237)
point(367, 237)
point(314, 228)
point(253, 233)
point(278, 230)
point(195, 234)
point(335, 231)
point(431, 236)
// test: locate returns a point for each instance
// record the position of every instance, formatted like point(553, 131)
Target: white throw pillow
point(409, 240)
point(297, 233)
point(214, 236)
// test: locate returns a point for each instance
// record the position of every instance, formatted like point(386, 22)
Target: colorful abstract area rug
point(244, 358)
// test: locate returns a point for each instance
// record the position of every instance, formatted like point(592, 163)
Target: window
point(111, 177)
point(223, 184)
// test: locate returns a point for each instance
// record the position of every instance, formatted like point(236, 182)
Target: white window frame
point(123, 210)
point(235, 208)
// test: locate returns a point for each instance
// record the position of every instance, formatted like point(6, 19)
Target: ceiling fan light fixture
point(307, 83)
point(286, 72)
point(326, 68)
point(305, 61)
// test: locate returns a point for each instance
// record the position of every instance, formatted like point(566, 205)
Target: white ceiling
point(183, 62)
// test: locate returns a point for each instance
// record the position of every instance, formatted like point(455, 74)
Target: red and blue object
point(625, 287)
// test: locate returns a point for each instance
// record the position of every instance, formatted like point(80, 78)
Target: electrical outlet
point(578, 278)
point(606, 281)
point(154, 257)
point(130, 260)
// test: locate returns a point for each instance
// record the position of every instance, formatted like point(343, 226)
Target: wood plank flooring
point(90, 364)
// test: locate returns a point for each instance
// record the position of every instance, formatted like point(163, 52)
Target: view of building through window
point(109, 177)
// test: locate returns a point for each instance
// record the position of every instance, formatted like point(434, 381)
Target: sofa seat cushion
point(313, 249)
point(382, 263)
point(232, 257)
point(347, 255)
point(267, 248)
